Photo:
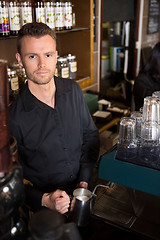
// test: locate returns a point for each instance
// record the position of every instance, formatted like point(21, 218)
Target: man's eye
point(32, 56)
point(48, 55)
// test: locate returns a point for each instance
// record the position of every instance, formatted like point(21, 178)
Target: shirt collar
point(62, 85)
point(30, 101)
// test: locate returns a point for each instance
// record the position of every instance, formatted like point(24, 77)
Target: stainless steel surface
point(126, 208)
point(80, 206)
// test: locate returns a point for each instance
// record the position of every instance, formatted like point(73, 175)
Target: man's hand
point(58, 200)
point(82, 185)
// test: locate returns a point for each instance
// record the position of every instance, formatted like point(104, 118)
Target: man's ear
point(18, 57)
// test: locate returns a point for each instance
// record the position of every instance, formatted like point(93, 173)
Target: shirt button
point(71, 176)
point(65, 149)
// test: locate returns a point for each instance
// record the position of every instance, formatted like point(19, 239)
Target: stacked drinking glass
point(139, 134)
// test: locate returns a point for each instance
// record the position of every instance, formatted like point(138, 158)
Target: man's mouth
point(42, 72)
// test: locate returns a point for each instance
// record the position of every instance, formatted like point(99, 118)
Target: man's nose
point(42, 62)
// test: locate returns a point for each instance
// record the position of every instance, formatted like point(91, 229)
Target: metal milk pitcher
point(81, 205)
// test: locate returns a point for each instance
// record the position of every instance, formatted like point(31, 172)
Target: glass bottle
point(73, 16)
point(59, 19)
point(72, 66)
point(4, 19)
point(50, 14)
point(14, 17)
point(22, 78)
point(13, 85)
point(40, 12)
point(63, 69)
point(68, 15)
point(25, 12)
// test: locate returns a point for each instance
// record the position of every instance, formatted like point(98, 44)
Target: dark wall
point(118, 10)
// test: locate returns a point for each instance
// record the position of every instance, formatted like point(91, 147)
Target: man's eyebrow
point(50, 52)
point(30, 54)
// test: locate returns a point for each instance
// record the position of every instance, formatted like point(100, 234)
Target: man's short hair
point(34, 29)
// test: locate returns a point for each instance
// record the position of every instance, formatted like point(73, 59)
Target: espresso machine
point(133, 168)
point(11, 181)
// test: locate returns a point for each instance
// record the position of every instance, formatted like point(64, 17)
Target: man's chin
point(40, 81)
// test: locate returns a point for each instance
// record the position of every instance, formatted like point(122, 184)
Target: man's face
point(38, 57)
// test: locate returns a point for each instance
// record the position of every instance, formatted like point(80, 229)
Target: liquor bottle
point(50, 14)
point(22, 78)
point(4, 19)
point(40, 12)
point(72, 66)
point(25, 12)
point(59, 17)
point(14, 17)
point(68, 14)
point(63, 67)
point(13, 85)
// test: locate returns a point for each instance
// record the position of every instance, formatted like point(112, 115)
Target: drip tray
point(113, 204)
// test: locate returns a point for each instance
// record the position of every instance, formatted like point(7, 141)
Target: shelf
point(57, 32)
point(72, 30)
point(90, 87)
point(80, 79)
point(85, 82)
point(9, 37)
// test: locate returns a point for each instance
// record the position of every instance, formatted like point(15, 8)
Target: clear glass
point(150, 109)
point(149, 150)
point(150, 133)
point(127, 132)
point(138, 117)
point(127, 144)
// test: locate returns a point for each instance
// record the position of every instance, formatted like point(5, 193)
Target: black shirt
point(56, 147)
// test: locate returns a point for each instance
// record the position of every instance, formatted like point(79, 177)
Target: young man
point(58, 143)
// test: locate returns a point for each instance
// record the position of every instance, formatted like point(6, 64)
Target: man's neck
point(44, 92)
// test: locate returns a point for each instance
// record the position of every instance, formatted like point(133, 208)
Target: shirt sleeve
point(90, 145)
